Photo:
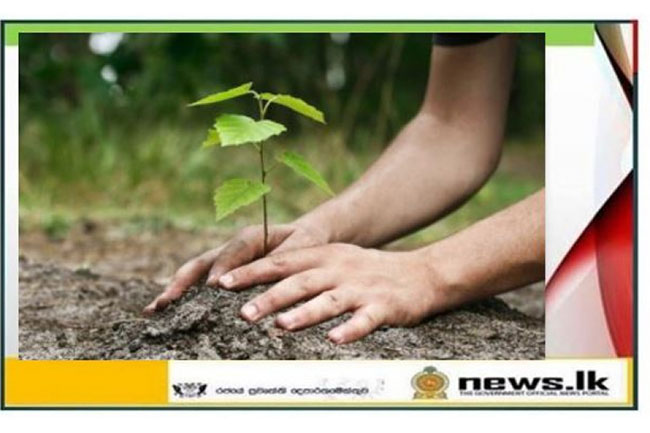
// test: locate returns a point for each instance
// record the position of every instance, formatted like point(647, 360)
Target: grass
point(159, 175)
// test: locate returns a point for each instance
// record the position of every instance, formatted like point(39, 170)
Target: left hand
point(379, 287)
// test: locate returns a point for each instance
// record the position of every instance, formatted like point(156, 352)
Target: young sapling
point(237, 129)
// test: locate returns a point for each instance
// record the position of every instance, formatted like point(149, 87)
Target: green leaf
point(212, 139)
point(296, 104)
point(235, 193)
point(235, 92)
point(235, 129)
point(303, 168)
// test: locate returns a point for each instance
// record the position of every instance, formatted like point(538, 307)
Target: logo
point(584, 383)
point(190, 389)
point(430, 384)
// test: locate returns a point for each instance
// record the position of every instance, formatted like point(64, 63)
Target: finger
point(272, 268)
point(363, 322)
point(323, 307)
point(290, 244)
point(184, 277)
point(245, 247)
point(296, 240)
point(286, 293)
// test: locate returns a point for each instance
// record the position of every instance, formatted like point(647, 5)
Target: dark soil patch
point(153, 250)
point(77, 314)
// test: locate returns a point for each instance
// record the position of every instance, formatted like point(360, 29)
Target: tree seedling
point(237, 129)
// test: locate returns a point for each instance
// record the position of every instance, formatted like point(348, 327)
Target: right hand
point(243, 248)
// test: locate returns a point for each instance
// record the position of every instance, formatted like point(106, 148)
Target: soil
point(153, 250)
point(81, 298)
point(76, 314)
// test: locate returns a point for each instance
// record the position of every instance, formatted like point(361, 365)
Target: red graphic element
point(610, 239)
point(573, 266)
point(614, 226)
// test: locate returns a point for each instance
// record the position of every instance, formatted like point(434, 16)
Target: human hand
point(243, 248)
point(379, 287)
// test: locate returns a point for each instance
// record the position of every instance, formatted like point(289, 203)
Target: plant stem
point(263, 176)
point(266, 225)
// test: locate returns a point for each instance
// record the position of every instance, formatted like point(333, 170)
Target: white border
point(393, 421)
point(11, 201)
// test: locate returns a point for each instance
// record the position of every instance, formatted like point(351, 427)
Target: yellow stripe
point(400, 404)
point(85, 382)
point(144, 383)
point(630, 381)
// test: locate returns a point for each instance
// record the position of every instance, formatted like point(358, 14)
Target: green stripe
point(557, 33)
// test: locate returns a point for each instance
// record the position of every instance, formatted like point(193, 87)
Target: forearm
point(439, 159)
point(431, 167)
point(497, 254)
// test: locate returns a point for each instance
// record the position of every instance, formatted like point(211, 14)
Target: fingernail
point(336, 336)
point(286, 321)
point(162, 303)
point(249, 311)
point(226, 280)
point(212, 280)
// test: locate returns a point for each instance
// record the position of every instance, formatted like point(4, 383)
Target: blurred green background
point(105, 132)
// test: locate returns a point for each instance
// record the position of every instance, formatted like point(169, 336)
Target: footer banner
point(449, 383)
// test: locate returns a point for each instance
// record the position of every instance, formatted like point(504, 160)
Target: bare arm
point(439, 159)
point(499, 253)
